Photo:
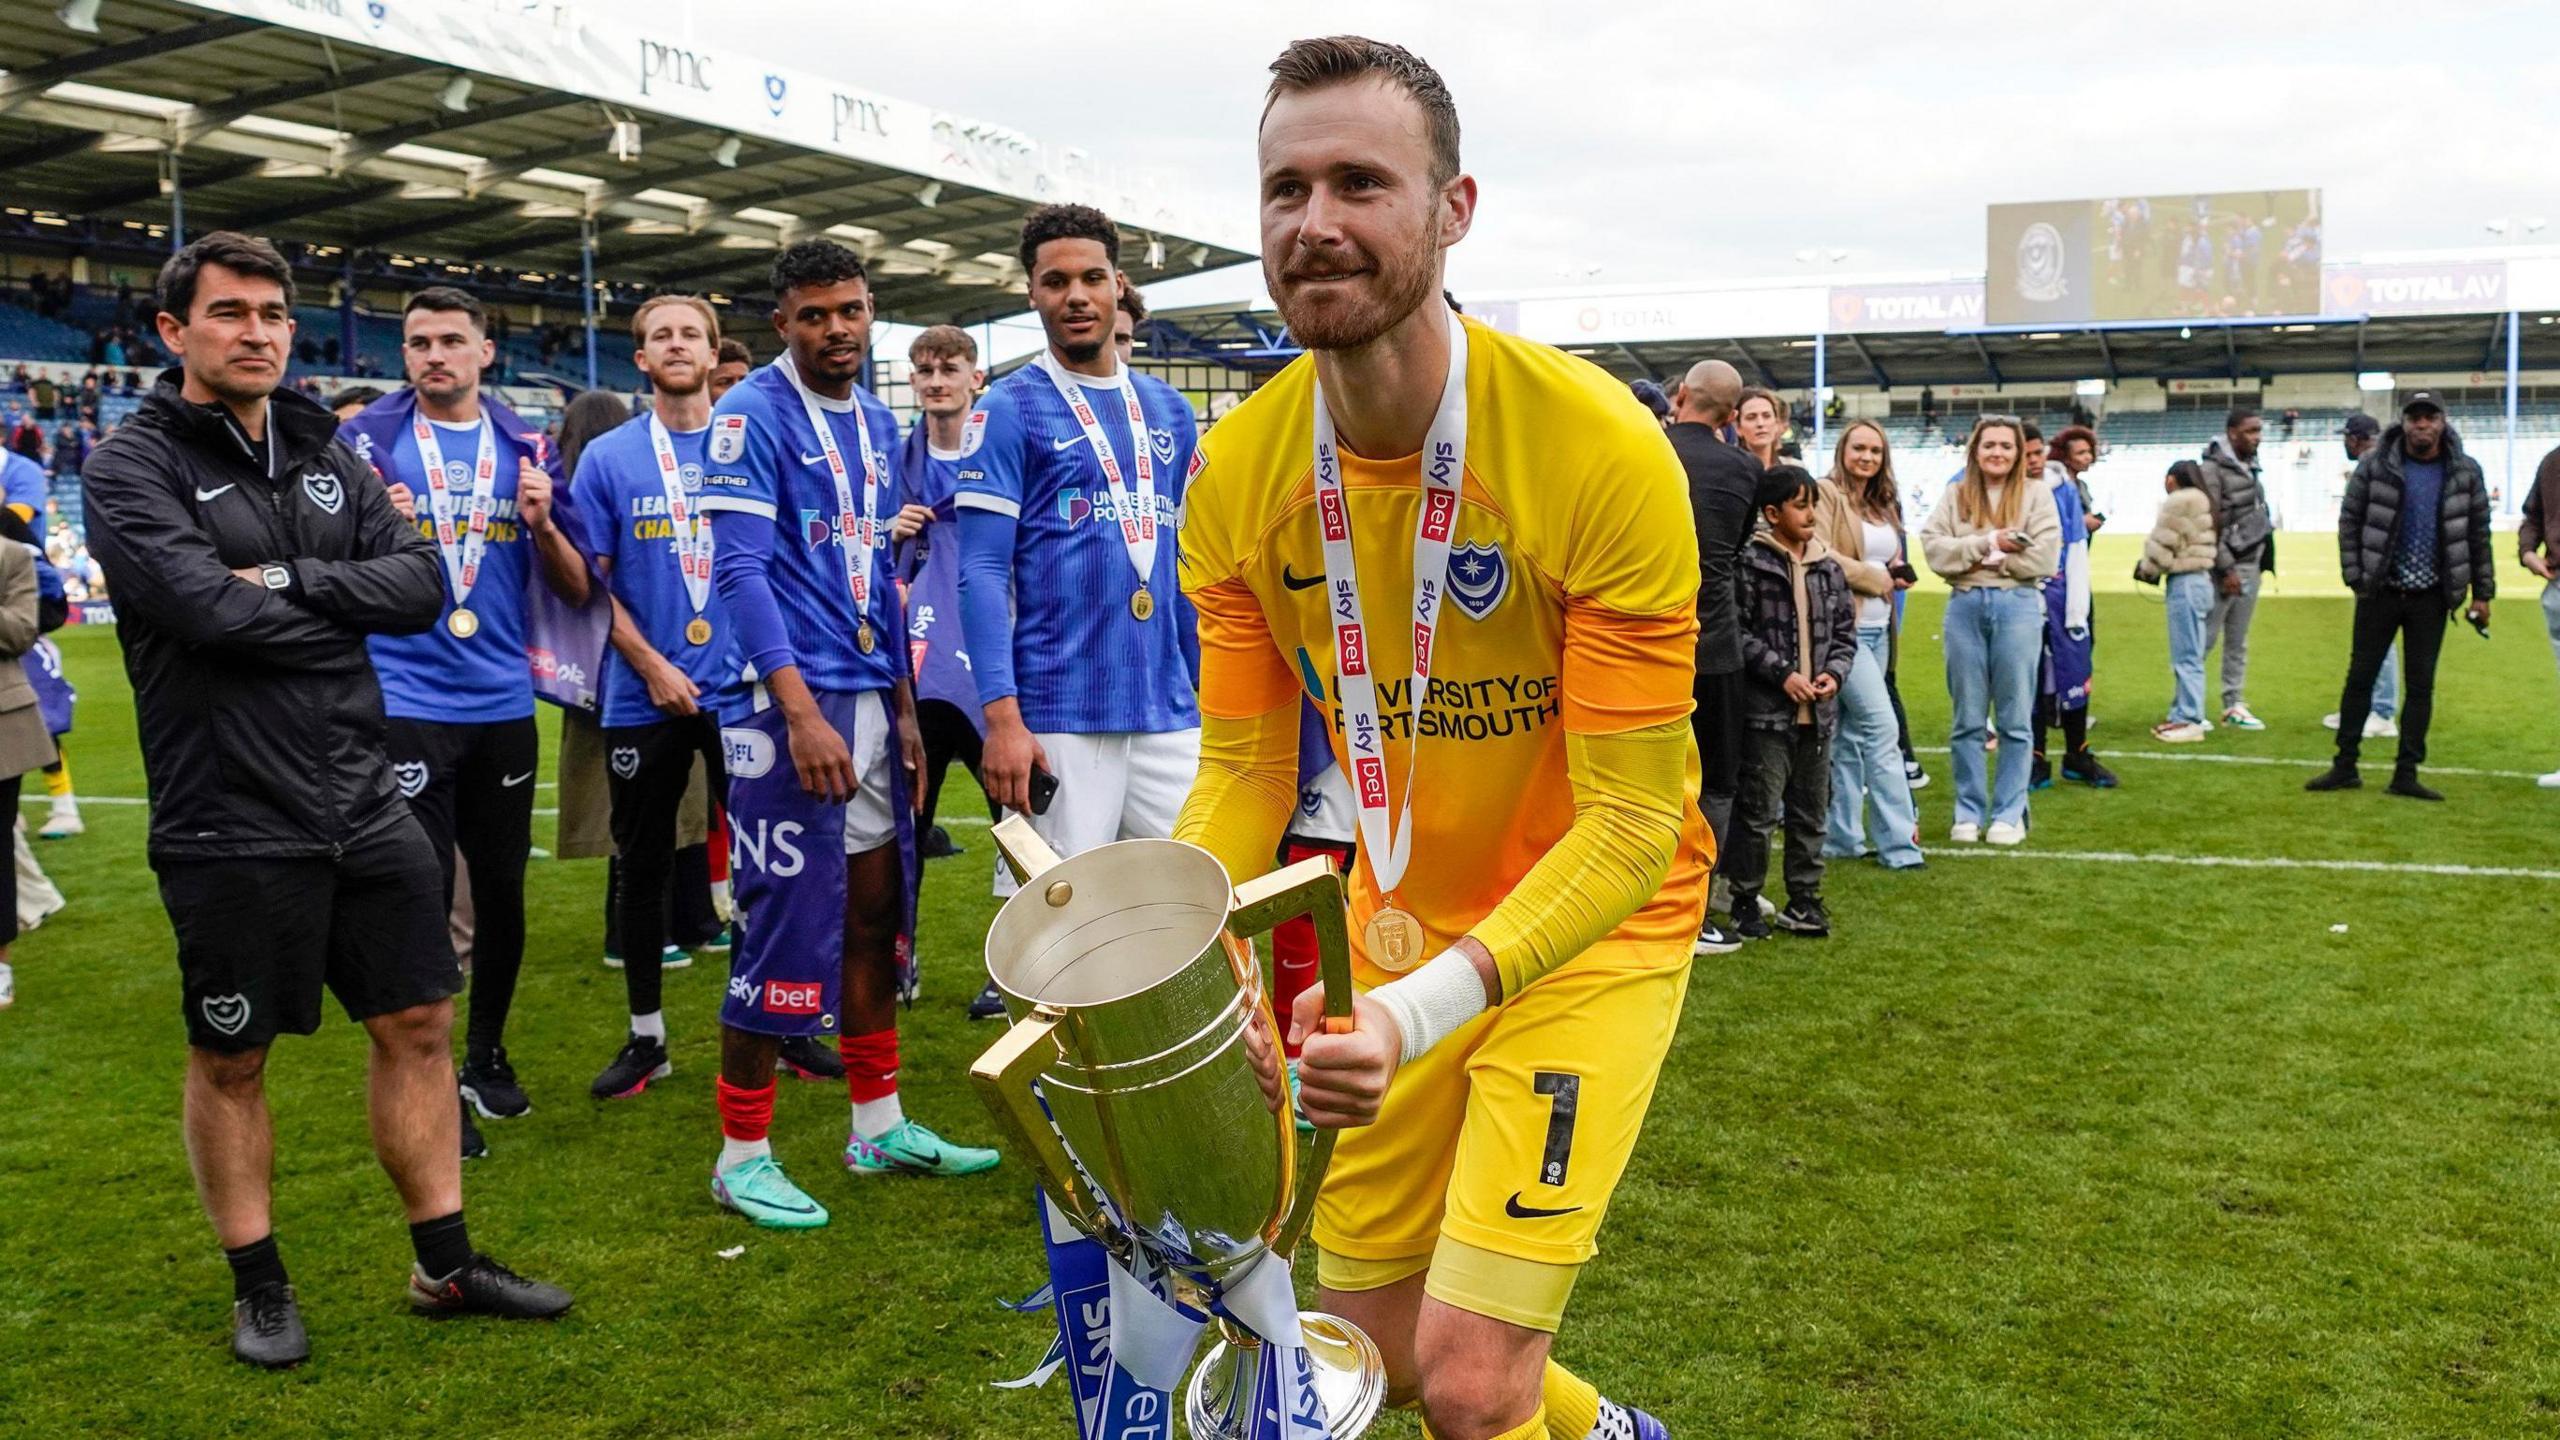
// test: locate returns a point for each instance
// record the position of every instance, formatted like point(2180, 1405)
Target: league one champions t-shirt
point(621, 513)
point(763, 459)
point(438, 675)
point(1083, 664)
point(1571, 606)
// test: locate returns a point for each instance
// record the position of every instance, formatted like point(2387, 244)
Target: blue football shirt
point(621, 512)
point(763, 459)
point(438, 675)
point(1082, 664)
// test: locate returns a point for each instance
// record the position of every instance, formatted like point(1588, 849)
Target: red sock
point(718, 838)
point(745, 1114)
point(870, 1064)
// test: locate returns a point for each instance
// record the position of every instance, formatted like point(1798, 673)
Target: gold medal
point(863, 639)
point(1142, 605)
point(1393, 938)
point(697, 631)
point(462, 623)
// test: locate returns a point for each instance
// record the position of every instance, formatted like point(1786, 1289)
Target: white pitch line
point(2191, 758)
point(2249, 862)
point(85, 800)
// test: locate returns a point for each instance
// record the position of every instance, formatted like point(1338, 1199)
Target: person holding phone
point(1994, 537)
point(1861, 522)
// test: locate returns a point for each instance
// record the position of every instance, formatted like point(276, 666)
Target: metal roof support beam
point(197, 179)
point(188, 124)
point(1873, 368)
point(444, 217)
point(260, 221)
point(2107, 354)
point(2497, 334)
point(1638, 361)
point(1990, 366)
point(379, 141)
point(79, 143)
point(1767, 379)
point(2231, 351)
point(20, 86)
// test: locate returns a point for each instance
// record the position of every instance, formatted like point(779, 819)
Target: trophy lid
point(1110, 923)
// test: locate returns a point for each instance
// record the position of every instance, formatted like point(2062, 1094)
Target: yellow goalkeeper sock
point(57, 781)
point(1573, 1403)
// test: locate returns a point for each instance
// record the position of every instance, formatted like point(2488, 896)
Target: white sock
point(1614, 1422)
point(736, 1152)
point(875, 1118)
point(653, 1025)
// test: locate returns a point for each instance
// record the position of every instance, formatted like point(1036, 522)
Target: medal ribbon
point(1444, 466)
point(691, 538)
point(860, 531)
point(1137, 521)
point(461, 560)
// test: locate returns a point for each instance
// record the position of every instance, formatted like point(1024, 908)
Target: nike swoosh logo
point(512, 781)
point(1517, 1211)
point(1294, 583)
point(202, 495)
point(1063, 444)
point(813, 459)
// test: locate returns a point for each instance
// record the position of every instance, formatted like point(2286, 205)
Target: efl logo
point(782, 997)
point(1336, 525)
point(749, 753)
point(1370, 773)
point(1351, 650)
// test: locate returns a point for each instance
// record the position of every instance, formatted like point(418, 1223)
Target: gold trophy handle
point(1003, 1077)
point(1024, 852)
point(1311, 889)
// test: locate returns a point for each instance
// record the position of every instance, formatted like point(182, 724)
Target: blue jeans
point(1994, 638)
point(1870, 796)
point(2386, 685)
point(2190, 607)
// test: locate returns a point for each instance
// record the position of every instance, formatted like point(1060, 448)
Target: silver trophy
point(1143, 1082)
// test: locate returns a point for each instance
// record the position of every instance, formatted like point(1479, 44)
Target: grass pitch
point(2033, 1147)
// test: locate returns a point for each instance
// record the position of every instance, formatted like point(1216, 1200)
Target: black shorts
point(259, 936)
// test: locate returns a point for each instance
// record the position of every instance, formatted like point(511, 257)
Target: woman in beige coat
point(2180, 551)
point(1995, 536)
point(24, 743)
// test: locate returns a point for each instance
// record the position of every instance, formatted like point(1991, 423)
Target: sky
point(1662, 145)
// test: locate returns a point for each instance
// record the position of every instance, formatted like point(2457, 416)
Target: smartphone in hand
point(1044, 788)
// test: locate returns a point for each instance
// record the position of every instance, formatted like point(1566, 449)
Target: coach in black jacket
point(2413, 542)
point(249, 553)
point(1722, 476)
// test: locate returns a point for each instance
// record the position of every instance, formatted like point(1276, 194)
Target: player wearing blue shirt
point(1068, 521)
point(637, 518)
point(459, 696)
point(800, 491)
point(23, 487)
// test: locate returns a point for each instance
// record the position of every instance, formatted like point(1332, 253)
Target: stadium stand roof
point(2437, 312)
point(485, 136)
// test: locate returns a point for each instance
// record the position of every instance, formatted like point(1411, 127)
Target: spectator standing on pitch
point(1799, 641)
point(943, 370)
point(2070, 638)
point(821, 739)
point(1072, 475)
point(2413, 541)
point(251, 553)
point(1723, 480)
point(459, 696)
point(2360, 434)
point(24, 745)
point(1761, 424)
point(2538, 546)
point(1861, 518)
point(637, 493)
point(2179, 554)
point(2244, 548)
point(1994, 536)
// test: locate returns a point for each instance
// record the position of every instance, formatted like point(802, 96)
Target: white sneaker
point(63, 820)
point(2379, 727)
point(2177, 732)
point(8, 987)
point(2004, 832)
point(2239, 718)
point(2548, 782)
point(1964, 832)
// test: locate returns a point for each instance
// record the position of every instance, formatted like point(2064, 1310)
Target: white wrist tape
point(1433, 1001)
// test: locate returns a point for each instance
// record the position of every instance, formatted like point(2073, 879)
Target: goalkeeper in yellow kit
point(1475, 555)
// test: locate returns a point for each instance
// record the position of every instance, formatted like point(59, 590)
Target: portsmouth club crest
point(1479, 576)
point(325, 489)
point(412, 775)
point(776, 92)
point(1162, 440)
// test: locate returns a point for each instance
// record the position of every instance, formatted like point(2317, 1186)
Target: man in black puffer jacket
point(2413, 542)
point(249, 553)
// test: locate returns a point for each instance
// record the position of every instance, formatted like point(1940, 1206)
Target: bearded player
point(1533, 867)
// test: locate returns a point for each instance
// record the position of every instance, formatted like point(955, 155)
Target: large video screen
point(2154, 257)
